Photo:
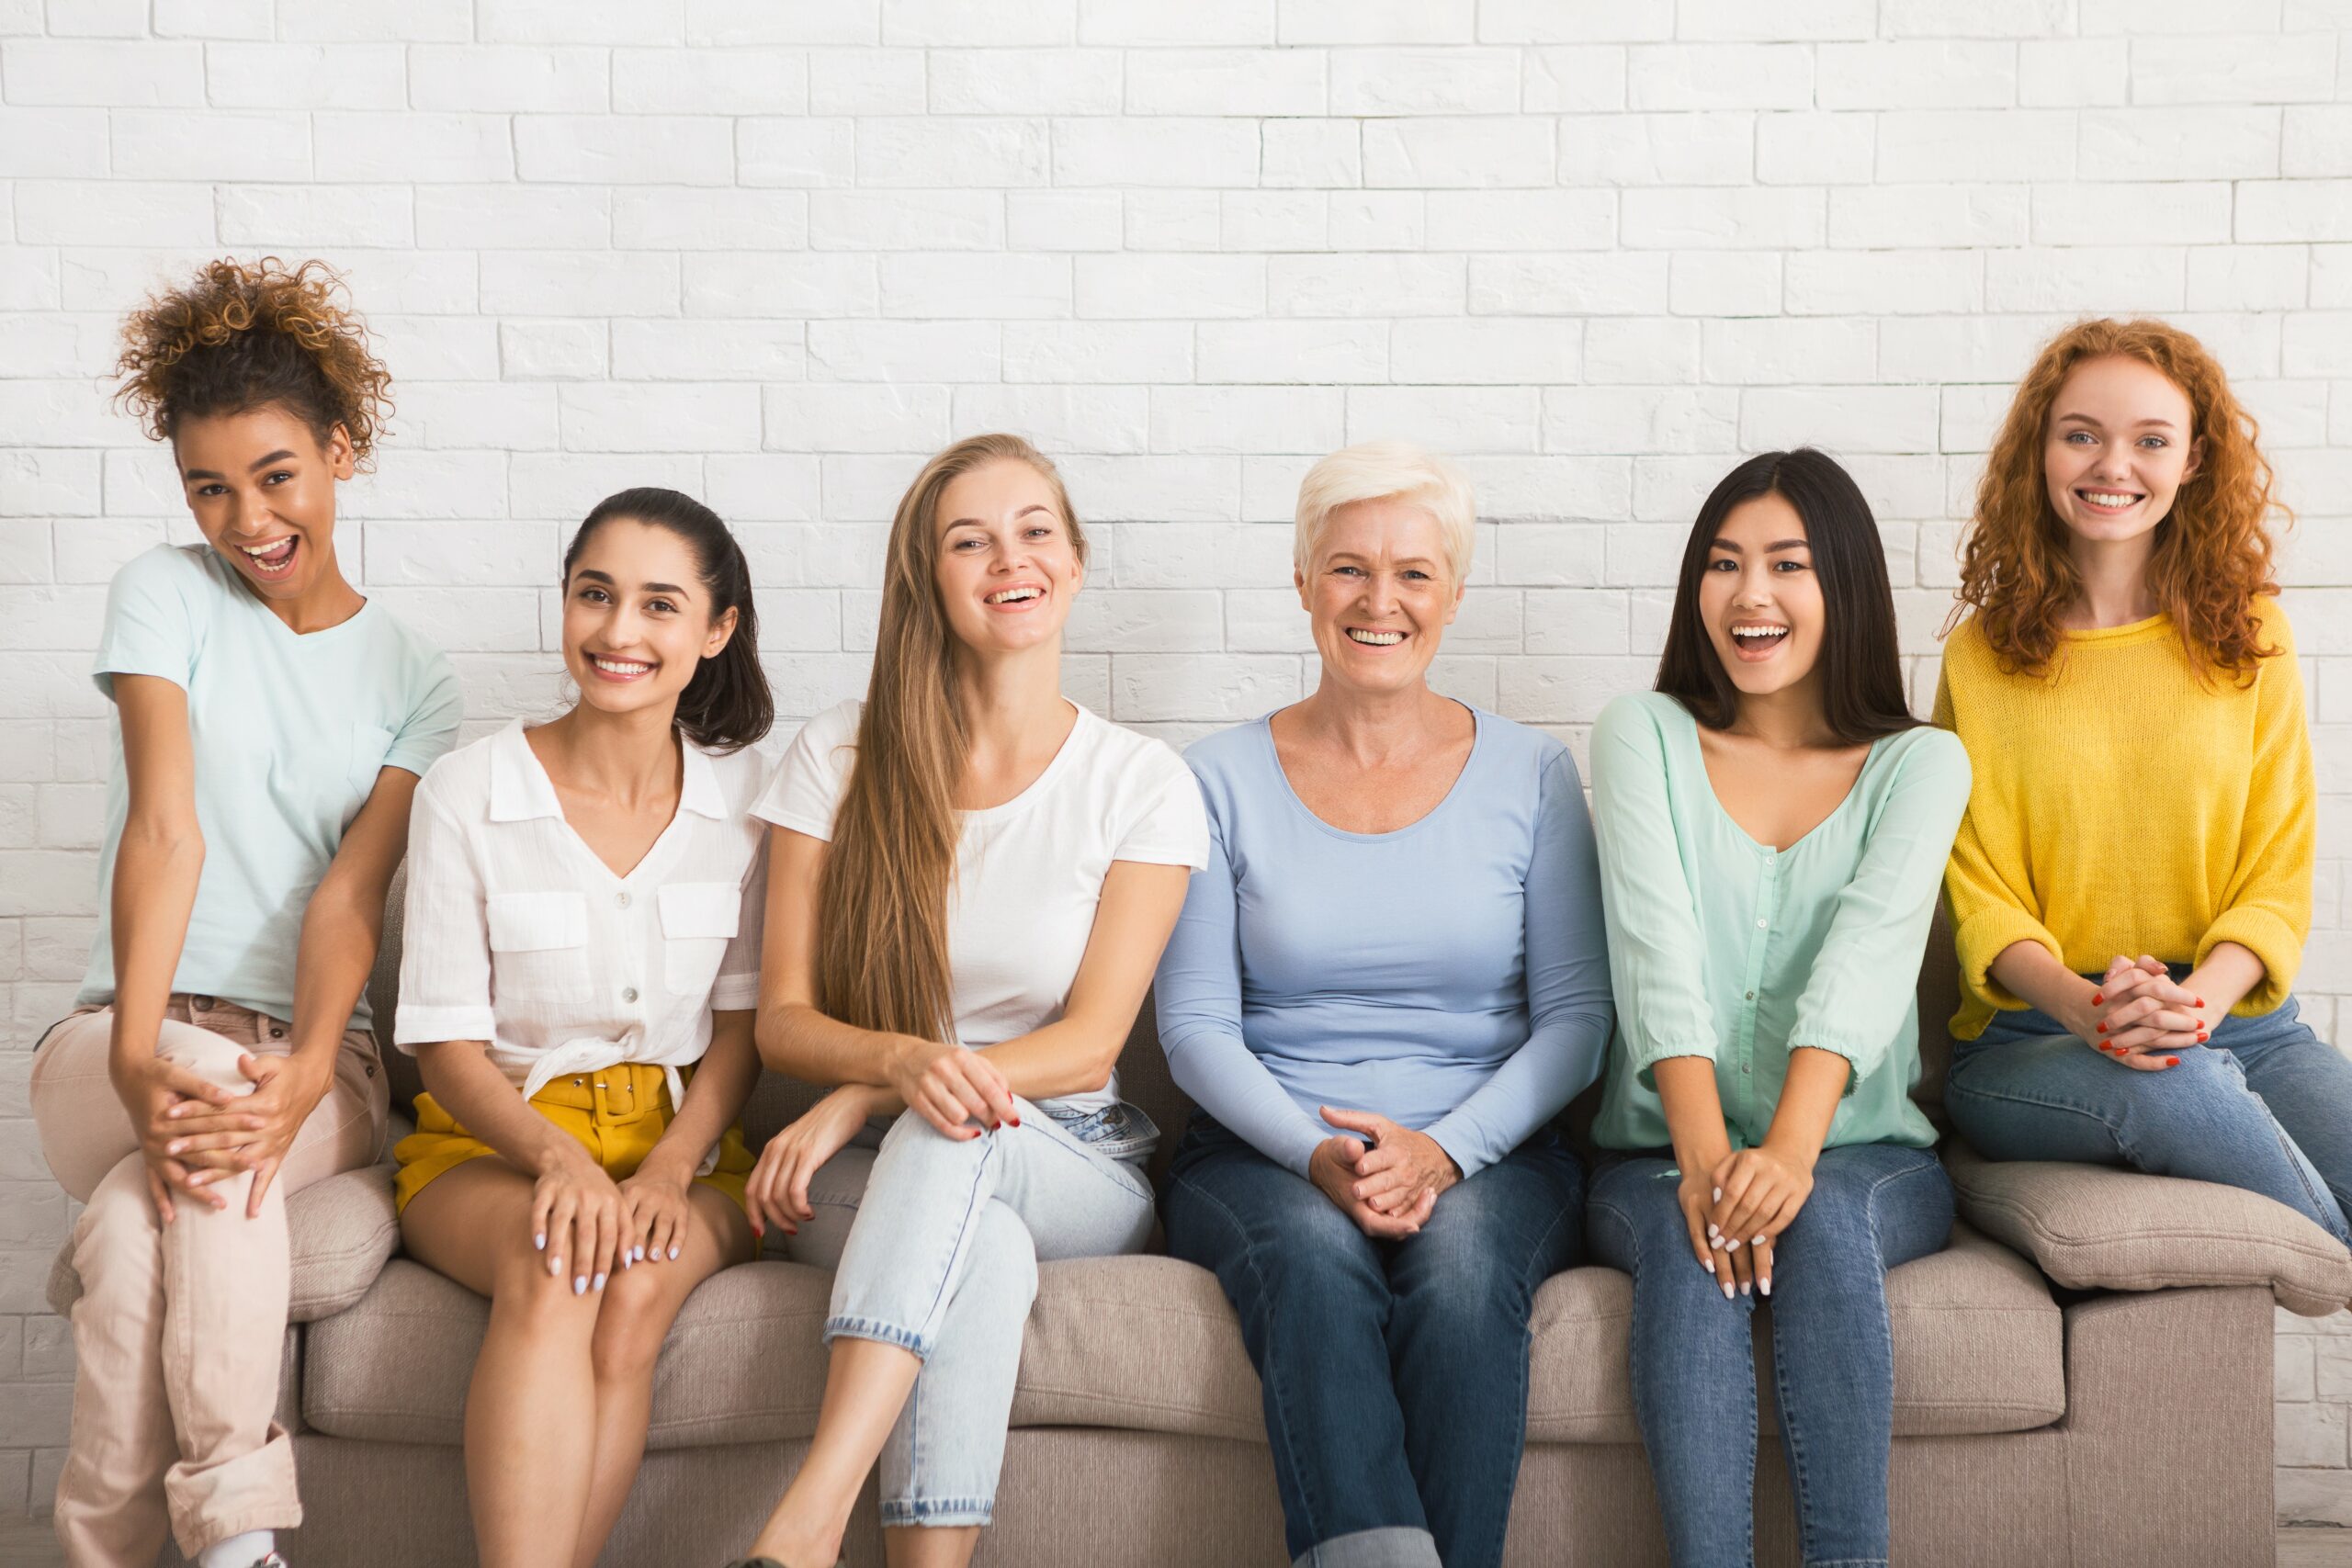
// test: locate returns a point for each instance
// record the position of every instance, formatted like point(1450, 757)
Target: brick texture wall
point(773, 253)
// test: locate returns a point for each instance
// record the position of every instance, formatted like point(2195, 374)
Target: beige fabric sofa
point(2082, 1377)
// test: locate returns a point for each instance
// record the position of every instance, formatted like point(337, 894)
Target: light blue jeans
point(2265, 1105)
point(935, 1243)
point(1873, 1206)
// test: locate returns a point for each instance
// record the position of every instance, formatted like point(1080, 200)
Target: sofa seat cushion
point(1148, 1344)
point(1978, 1348)
point(2097, 1227)
point(339, 1232)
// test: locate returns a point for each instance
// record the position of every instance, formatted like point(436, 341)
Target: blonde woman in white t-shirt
point(971, 881)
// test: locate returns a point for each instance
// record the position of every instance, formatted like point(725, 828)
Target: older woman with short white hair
point(1388, 981)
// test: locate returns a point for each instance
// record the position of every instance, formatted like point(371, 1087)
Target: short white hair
point(1387, 470)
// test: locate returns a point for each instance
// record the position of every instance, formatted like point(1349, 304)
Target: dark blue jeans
point(2265, 1105)
point(1873, 1206)
point(1395, 1372)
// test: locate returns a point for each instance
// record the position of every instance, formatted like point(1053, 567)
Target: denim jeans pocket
point(1116, 1130)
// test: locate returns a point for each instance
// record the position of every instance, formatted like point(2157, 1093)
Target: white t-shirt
point(1029, 873)
point(519, 935)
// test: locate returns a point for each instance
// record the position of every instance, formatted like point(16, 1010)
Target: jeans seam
point(1271, 1375)
point(971, 1203)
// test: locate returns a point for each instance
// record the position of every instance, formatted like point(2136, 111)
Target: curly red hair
point(2213, 552)
point(247, 335)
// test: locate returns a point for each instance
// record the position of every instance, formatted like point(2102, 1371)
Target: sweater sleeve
point(1568, 1005)
point(1984, 878)
point(1865, 980)
point(1197, 996)
point(1656, 957)
point(2267, 908)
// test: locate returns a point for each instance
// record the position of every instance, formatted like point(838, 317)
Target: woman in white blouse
point(585, 902)
point(972, 880)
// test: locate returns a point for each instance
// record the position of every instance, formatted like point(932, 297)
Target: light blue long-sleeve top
point(1451, 975)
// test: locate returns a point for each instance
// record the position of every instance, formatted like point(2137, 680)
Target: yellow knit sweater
point(2122, 806)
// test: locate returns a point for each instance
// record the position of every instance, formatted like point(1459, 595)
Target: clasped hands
point(2142, 1019)
point(1384, 1177)
point(194, 1133)
point(1737, 1207)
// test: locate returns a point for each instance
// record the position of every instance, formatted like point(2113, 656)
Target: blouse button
point(1760, 925)
point(624, 900)
point(1751, 996)
point(628, 993)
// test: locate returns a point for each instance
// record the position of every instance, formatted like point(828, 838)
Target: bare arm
point(158, 862)
point(722, 1083)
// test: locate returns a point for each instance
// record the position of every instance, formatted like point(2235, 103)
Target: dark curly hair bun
point(247, 335)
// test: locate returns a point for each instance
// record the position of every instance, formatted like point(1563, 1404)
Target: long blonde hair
point(882, 960)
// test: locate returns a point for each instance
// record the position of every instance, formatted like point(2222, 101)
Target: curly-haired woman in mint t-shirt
point(270, 724)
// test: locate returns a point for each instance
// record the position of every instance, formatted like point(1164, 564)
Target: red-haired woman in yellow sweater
point(2126, 984)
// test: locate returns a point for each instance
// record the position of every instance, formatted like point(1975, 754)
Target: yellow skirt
point(617, 1115)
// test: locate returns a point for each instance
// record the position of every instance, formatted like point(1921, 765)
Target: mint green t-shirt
point(289, 732)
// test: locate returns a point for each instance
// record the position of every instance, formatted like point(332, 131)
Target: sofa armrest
point(2092, 1227)
point(341, 1231)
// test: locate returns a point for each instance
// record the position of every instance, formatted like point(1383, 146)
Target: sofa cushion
point(339, 1232)
point(2092, 1227)
point(1978, 1348)
point(1148, 1344)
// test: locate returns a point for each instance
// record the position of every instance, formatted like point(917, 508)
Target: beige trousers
point(179, 1332)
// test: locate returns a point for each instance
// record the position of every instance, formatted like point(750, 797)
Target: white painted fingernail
point(1731, 1247)
point(555, 1265)
point(674, 1254)
point(1726, 1290)
point(640, 1251)
point(580, 1284)
point(540, 1241)
point(600, 1281)
point(1716, 1241)
point(1711, 1230)
point(1719, 1194)
point(1758, 1242)
point(1765, 1286)
point(1743, 1287)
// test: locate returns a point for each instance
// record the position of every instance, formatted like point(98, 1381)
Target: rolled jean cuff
point(937, 1513)
point(1391, 1546)
point(875, 1328)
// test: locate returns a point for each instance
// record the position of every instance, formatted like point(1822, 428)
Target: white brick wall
point(777, 254)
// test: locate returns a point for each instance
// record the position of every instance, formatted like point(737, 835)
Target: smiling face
point(2118, 446)
point(637, 619)
point(1008, 566)
point(1759, 598)
point(1379, 594)
point(261, 491)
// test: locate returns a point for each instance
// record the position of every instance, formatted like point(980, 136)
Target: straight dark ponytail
point(727, 705)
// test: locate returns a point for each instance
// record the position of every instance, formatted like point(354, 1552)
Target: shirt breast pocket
point(699, 919)
point(538, 946)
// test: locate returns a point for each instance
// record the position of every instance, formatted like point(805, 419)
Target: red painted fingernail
point(2200, 1037)
point(2172, 1061)
point(2201, 1002)
point(2097, 996)
point(1016, 1120)
point(2102, 1028)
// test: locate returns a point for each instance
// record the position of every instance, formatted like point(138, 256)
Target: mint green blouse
point(1724, 948)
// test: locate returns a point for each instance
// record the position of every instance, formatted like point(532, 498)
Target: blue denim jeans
point(1873, 1206)
point(935, 1243)
point(2265, 1104)
point(1395, 1373)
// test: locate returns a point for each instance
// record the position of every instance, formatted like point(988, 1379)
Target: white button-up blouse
point(518, 934)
